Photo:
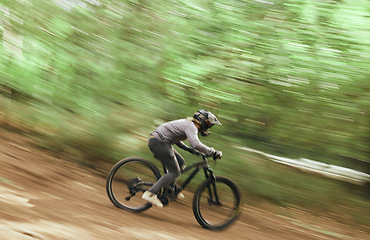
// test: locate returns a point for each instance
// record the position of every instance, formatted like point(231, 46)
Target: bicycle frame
point(208, 172)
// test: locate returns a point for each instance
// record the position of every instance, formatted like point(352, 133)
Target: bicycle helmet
point(206, 120)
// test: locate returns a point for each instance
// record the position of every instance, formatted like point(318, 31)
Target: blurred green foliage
point(97, 76)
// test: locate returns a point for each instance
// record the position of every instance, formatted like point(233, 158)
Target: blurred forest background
point(90, 79)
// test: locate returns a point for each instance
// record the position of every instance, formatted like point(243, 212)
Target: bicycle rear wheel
point(217, 203)
point(128, 180)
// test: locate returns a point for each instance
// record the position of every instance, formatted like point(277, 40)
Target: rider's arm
point(182, 145)
point(192, 136)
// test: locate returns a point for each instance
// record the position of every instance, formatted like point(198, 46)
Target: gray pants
point(170, 159)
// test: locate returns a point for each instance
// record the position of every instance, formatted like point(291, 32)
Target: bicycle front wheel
point(217, 203)
point(128, 180)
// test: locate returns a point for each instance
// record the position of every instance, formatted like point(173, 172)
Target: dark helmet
point(206, 120)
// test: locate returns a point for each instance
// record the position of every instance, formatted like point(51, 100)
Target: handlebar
point(205, 156)
point(201, 154)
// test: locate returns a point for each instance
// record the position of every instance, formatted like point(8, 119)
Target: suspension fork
point(212, 190)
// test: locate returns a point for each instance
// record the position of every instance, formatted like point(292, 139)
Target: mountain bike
point(217, 202)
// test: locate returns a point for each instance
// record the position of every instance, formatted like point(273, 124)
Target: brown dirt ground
point(45, 197)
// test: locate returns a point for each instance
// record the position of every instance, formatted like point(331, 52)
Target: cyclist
point(173, 132)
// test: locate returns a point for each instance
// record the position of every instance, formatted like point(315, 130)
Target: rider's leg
point(166, 154)
point(182, 165)
point(169, 161)
point(180, 160)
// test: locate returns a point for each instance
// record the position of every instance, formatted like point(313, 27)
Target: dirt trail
point(43, 197)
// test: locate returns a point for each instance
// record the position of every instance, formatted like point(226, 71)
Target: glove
point(217, 154)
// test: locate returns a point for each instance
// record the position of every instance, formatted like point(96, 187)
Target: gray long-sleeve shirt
point(178, 130)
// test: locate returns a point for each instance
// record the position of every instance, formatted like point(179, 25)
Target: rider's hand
point(217, 154)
